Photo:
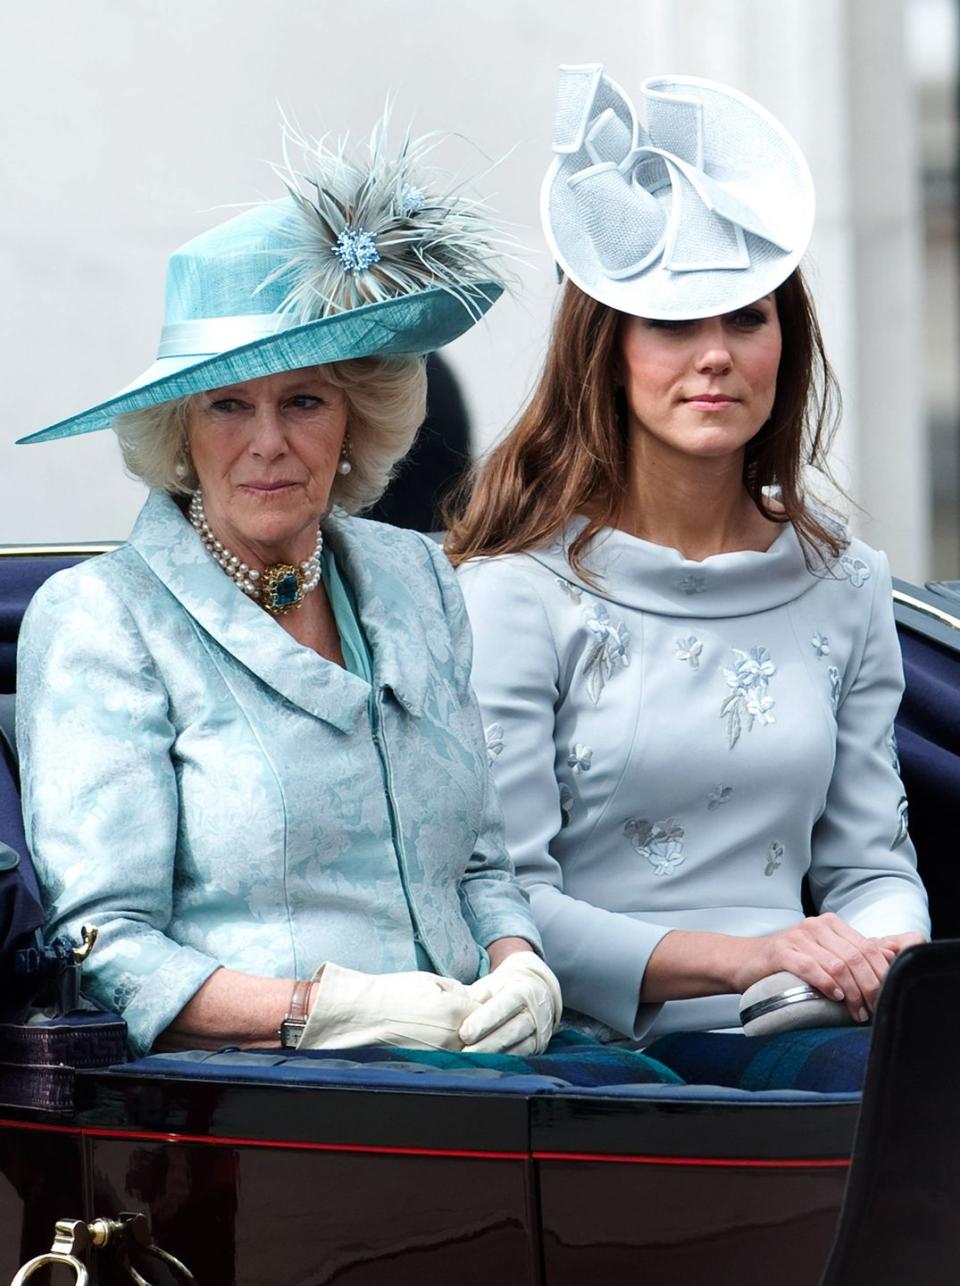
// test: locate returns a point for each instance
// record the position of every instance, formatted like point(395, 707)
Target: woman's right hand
point(824, 951)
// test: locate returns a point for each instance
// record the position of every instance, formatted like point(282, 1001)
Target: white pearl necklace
point(277, 588)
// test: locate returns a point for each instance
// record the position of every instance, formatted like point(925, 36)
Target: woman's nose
point(268, 439)
point(713, 353)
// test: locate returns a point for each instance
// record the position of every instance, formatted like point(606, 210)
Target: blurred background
point(131, 125)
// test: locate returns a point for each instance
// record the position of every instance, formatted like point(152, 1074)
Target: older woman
point(250, 752)
point(689, 671)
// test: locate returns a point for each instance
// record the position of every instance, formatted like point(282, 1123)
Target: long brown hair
point(567, 452)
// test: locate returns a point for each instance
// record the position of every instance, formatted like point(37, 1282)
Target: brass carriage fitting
point(69, 1236)
point(73, 1236)
point(88, 935)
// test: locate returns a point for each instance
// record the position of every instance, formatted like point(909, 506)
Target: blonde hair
point(386, 401)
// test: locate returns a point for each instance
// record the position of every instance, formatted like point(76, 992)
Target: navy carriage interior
point(368, 1167)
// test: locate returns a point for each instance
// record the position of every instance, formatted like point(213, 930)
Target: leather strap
point(291, 1029)
point(299, 1000)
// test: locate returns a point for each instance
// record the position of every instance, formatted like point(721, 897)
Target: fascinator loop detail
point(703, 206)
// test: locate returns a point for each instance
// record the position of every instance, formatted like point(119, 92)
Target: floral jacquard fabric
point(820, 644)
point(749, 702)
point(208, 792)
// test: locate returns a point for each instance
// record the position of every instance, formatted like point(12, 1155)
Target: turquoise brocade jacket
point(208, 792)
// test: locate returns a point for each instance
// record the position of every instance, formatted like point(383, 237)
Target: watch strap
point(291, 1029)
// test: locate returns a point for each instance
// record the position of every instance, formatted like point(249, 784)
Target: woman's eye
point(224, 405)
point(305, 402)
point(748, 318)
point(655, 323)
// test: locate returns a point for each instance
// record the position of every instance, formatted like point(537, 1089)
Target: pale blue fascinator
point(359, 258)
point(701, 207)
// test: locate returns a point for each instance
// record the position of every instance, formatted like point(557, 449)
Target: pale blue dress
point(678, 745)
point(208, 792)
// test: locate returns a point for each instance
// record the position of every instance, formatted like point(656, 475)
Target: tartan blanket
point(571, 1057)
point(822, 1059)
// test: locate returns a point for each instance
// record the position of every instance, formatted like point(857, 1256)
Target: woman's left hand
point(893, 943)
point(518, 1007)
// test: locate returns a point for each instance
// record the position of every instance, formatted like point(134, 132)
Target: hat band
point(203, 336)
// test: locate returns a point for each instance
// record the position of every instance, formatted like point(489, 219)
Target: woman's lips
point(267, 488)
point(710, 402)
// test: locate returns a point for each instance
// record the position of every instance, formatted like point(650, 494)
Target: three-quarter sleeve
point(600, 956)
point(864, 866)
point(493, 902)
point(100, 798)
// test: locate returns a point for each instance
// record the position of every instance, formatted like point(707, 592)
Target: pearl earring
point(345, 467)
point(180, 469)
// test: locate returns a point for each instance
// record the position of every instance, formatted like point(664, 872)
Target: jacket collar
point(168, 544)
point(653, 578)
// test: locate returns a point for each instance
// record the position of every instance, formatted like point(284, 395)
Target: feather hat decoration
point(368, 231)
point(361, 257)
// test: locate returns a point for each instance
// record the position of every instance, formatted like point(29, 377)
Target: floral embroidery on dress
point(689, 649)
point(494, 738)
point(608, 650)
point(580, 757)
point(820, 644)
point(661, 843)
point(774, 857)
point(571, 591)
point(894, 749)
point(719, 795)
point(902, 823)
point(834, 676)
point(566, 805)
point(749, 703)
point(690, 585)
point(855, 569)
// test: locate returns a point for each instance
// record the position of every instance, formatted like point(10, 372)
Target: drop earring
point(345, 467)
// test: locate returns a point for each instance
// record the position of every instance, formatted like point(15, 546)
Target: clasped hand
point(830, 955)
point(514, 1009)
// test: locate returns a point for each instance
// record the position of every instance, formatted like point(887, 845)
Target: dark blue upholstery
point(20, 910)
point(928, 731)
point(396, 1069)
point(20, 578)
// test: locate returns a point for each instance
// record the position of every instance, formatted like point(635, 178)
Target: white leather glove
point(519, 1006)
point(412, 1010)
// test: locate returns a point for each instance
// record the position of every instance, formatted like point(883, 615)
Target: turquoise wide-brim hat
point(364, 263)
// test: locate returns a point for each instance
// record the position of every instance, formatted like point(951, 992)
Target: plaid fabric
point(826, 1060)
point(571, 1057)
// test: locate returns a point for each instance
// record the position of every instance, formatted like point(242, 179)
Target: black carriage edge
point(270, 1171)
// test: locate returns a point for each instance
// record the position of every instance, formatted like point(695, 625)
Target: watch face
point(291, 1029)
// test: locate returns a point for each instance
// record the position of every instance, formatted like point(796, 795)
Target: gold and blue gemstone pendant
point(281, 587)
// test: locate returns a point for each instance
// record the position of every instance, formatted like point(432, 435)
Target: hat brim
point(412, 324)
